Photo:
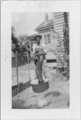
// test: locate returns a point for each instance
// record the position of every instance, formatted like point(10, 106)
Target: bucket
point(38, 88)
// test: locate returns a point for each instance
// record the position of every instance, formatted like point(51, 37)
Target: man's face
point(38, 39)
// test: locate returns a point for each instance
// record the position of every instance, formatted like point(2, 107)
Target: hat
point(37, 36)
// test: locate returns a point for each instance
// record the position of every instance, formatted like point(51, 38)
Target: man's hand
point(32, 55)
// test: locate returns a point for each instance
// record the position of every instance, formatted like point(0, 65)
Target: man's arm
point(33, 51)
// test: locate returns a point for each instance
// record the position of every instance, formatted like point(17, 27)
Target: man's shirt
point(41, 46)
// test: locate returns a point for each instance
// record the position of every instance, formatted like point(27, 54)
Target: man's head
point(38, 38)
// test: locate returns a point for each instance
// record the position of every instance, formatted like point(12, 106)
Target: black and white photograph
point(40, 60)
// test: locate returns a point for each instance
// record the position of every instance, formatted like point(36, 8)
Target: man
point(39, 52)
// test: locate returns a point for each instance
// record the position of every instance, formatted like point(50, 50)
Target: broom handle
point(28, 68)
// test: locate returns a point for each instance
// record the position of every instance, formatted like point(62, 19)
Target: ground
point(57, 96)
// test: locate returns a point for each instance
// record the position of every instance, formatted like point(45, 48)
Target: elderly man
point(39, 52)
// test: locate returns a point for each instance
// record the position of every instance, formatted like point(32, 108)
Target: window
point(49, 40)
point(45, 39)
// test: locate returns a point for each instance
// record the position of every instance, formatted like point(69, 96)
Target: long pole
point(17, 71)
point(28, 67)
point(28, 62)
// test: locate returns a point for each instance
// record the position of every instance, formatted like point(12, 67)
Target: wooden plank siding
point(58, 27)
point(59, 21)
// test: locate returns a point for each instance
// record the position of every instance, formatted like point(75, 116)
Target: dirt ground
point(57, 96)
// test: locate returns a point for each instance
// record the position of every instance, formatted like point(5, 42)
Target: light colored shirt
point(41, 46)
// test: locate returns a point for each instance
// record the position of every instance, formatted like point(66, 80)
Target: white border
point(73, 7)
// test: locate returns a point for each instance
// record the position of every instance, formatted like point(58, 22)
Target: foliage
point(66, 48)
point(65, 59)
point(23, 37)
point(25, 43)
point(15, 42)
point(17, 45)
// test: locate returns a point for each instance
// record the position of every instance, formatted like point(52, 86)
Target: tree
point(66, 33)
point(23, 37)
point(19, 47)
point(66, 48)
point(15, 42)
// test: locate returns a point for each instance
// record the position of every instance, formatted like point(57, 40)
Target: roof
point(31, 37)
point(45, 24)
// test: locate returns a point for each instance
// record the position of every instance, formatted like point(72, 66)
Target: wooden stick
point(17, 71)
point(28, 68)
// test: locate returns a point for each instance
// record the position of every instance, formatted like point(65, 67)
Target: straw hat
point(40, 36)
